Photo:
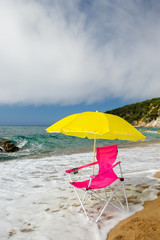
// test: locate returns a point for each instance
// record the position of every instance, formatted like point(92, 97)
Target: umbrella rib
point(83, 132)
point(126, 134)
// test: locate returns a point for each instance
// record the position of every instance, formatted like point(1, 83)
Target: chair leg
point(124, 190)
point(125, 196)
point(107, 202)
point(118, 199)
point(84, 199)
point(81, 203)
point(105, 193)
point(92, 193)
point(99, 197)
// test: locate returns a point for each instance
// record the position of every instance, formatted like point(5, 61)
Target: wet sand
point(144, 225)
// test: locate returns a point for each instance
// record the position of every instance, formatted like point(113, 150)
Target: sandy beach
point(144, 225)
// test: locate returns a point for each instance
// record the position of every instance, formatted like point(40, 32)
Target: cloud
point(68, 52)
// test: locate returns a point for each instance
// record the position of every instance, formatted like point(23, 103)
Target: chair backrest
point(106, 156)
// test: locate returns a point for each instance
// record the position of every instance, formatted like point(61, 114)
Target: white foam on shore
point(37, 202)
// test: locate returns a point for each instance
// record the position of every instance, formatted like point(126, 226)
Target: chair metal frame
point(92, 192)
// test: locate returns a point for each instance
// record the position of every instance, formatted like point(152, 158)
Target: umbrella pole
point(94, 150)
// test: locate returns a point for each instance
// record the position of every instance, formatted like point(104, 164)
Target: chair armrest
point(78, 168)
point(101, 174)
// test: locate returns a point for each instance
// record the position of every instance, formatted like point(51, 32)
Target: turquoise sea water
point(34, 141)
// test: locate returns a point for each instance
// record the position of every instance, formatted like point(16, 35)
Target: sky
point(61, 57)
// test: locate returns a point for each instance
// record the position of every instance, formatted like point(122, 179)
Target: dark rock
point(8, 146)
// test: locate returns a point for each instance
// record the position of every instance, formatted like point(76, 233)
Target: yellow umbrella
point(96, 125)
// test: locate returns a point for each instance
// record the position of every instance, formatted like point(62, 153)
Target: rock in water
point(8, 146)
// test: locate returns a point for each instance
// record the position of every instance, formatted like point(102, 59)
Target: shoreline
point(142, 225)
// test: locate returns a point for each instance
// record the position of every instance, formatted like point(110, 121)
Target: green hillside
point(139, 112)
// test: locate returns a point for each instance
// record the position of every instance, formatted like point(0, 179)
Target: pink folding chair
point(106, 157)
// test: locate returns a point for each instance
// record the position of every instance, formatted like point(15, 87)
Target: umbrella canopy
point(96, 125)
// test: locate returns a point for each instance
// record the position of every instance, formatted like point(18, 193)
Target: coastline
point(142, 225)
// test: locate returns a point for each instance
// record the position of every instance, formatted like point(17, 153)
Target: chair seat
point(98, 182)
